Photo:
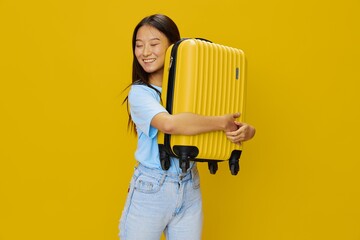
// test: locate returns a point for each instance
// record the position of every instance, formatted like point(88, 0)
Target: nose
point(146, 50)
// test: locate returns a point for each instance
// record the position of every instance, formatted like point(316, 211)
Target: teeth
point(149, 60)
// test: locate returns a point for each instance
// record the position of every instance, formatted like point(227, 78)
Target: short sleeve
point(144, 104)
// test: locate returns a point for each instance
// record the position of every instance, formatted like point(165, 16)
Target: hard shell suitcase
point(208, 79)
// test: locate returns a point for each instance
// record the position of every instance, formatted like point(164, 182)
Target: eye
point(138, 45)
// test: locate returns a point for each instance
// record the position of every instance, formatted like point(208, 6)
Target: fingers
point(235, 140)
point(236, 115)
point(235, 136)
point(239, 124)
point(231, 127)
point(234, 133)
point(241, 128)
point(243, 133)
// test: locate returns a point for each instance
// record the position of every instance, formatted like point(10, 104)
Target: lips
point(150, 60)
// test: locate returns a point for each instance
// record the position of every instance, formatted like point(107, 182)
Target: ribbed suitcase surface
point(204, 78)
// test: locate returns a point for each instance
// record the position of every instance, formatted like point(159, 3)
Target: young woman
point(164, 201)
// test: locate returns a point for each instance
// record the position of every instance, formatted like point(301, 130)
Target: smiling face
point(150, 49)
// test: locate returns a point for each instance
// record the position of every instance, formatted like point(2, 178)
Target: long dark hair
point(165, 25)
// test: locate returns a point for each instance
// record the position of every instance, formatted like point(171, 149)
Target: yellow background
point(66, 157)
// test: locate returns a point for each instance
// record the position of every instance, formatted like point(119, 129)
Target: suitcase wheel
point(164, 158)
point(234, 168)
point(234, 162)
point(213, 167)
point(184, 165)
point(165, 164)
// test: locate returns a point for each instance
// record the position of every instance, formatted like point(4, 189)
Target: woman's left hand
point(243, 133)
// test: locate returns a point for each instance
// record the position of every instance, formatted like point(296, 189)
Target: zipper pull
point(171, 62)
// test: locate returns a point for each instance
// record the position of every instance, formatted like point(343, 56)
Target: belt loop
point(162, 179)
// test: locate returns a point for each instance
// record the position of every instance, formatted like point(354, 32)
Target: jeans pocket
point(147, 184)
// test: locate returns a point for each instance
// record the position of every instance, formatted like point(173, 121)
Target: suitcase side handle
point(204, 39)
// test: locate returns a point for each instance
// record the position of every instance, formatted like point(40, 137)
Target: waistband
point(168, 176)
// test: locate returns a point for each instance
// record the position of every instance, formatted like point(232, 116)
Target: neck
point(156, 78)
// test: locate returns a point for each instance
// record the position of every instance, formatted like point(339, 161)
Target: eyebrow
point(152, 39)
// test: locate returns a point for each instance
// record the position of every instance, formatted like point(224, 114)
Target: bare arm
point(192, 124)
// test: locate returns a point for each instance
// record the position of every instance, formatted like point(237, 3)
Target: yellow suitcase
point(204, 78)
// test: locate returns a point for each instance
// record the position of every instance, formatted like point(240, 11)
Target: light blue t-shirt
point(144, 104)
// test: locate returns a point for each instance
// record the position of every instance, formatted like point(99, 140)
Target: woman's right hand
point(230, 120)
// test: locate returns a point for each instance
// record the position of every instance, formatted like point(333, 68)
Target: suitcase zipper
point(170, 91)
point(171, 61)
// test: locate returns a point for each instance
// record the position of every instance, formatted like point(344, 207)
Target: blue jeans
point(160, 202)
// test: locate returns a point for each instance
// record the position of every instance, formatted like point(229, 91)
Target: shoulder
point(141, 90)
